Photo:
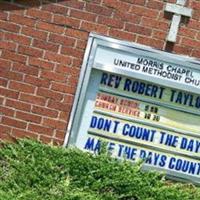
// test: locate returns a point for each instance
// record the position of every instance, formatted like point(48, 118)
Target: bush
point(34, 171)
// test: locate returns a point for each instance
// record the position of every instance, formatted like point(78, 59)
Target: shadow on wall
point(5, 5)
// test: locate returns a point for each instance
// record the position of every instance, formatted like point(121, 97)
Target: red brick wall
point(41, 51)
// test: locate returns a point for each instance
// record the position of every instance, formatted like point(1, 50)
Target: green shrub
point(33, 171)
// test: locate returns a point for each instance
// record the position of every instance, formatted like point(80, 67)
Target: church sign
point(143, 102)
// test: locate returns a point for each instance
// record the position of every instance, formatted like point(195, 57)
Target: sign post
point(143, 102)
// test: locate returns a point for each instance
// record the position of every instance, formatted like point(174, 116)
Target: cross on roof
point(179, 10)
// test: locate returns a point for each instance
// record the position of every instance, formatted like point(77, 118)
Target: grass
point(33, 171)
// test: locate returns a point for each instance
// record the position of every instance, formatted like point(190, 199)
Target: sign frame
point(94, 42)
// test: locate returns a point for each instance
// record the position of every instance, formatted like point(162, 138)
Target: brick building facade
point(42, 46)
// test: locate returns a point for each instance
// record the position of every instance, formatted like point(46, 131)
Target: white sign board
point(143, 102)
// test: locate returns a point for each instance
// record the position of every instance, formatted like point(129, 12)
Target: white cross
point(179, 10)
